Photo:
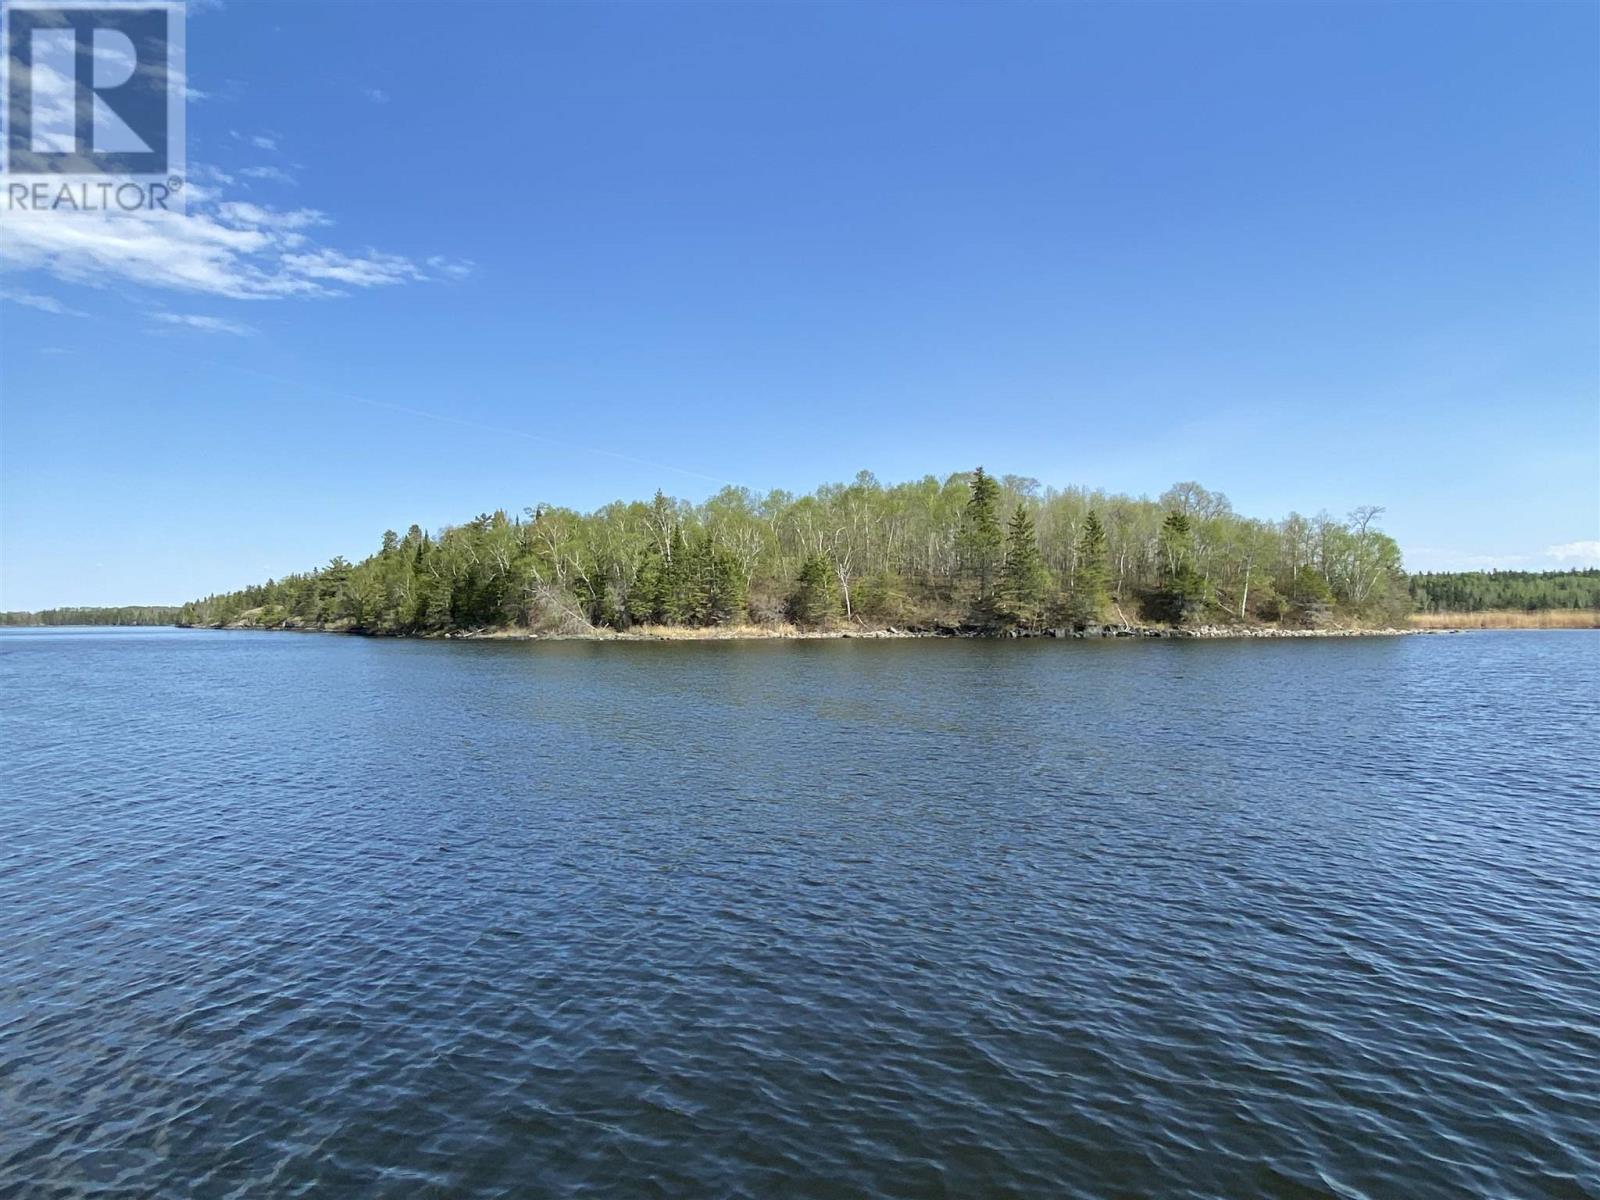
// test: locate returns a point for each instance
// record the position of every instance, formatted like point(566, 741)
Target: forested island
point(969, 553)
point(1506, 591)
point(128, 614)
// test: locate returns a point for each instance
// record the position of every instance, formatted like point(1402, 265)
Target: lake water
point(301, 914)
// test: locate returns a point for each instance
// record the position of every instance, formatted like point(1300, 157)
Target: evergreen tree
point(435, 607)
point(1175, 540)
point(815, 601)
point(330, 587)
point(1024, 582)
point(713, 592)
point(1310, 597)
point(1182, 594)
point(1091, 584)
point(648, 601)
point(928, 552)
point(982, 542)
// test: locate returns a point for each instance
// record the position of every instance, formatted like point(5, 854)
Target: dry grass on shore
point(708, 633)
point(1557, 618)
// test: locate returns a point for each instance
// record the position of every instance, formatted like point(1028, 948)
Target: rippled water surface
point(296, 914)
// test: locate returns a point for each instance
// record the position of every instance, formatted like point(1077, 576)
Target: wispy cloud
point(451, 268)
point(243, 213)
point(204, 173)
point(376, 95)
point(228, 248)
point(204, 324)
point(47, 304)
point(261, 141)
point(1583, 553)
point(268, 173)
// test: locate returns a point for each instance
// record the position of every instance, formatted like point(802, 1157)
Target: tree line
point(1484, 591)
point(130, 614)
point(918, 554)
point(970, 550)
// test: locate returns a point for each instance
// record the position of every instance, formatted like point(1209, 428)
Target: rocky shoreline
point(791, 633)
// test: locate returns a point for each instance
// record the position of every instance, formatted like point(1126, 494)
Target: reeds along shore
point(1551, 618)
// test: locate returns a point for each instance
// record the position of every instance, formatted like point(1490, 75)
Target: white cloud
point(372, 270)
point(243, 213)
point(196, 253)
point(1584, 553)
point(56, 104)
point(202, 173)
point(376, 95)
point(227, 248)
point(204, 324)
point(452, 268)
point(261, 141)
point(53, 106)
point(1566, 556)
point(48, 304)
point(270, 174)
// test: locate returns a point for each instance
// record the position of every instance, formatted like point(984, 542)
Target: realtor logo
point(93, 104)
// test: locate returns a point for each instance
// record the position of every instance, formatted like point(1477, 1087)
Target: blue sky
point(446, 258)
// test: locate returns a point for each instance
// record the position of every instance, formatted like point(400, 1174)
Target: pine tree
point(815, 601)
point(1175, 540)
point(676, 604)
point(645, 597)
point(1310, 596)
point(1091, 584)
point(1182, 593)
point(1024, 582)
point(982, 543)
point(714, 591)
point(433, 603)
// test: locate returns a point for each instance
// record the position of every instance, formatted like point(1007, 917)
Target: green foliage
point(713, 589)
point(132, 614)
point(928, 552)
point(1180, 598)
point(1530, 591)
point(1309, 587)
point(1310, 598)
point(1090, 598)
point(1024, 581)
point(885, 597)
point(1182, 593)
point(982, 542)
point(1176, 532)
point(815, 601)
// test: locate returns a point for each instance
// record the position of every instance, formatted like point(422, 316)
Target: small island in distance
point(124, 614)
point(970, 554)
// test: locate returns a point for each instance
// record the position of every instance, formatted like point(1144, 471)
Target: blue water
point(294, 915)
